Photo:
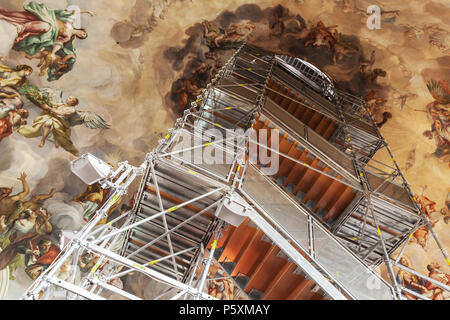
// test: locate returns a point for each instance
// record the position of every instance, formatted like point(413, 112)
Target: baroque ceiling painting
point(110, 77)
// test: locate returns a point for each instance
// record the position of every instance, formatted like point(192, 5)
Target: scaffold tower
point(274, 178)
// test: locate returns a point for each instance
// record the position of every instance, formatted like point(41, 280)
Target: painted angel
point(440, 117)
point(57, 118)
point(321, 35)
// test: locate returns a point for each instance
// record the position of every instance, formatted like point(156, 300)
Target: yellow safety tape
point(411, 235)
point(172, 209)
point(227, 108)
point(192, 172)
point(114, 199)
point(207, 144)
point(238, 168)
point(137, 265)
point(218, 125)
point(355, 238)
point(378, 231)
point(306, 164)
point(448, 261)
point(414, 198)
point(214, 244)
point(387, 179)
point(167, 136)
point(196, 100)
point(152, 262)
point(95, 268)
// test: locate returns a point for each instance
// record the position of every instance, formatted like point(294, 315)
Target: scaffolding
point(185, 201)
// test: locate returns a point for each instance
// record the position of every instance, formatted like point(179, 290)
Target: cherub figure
point(10, 98)
point(428, 208)
point(57, 119)
point(234, 34)
point(321, 35)
point(366, 66)
point(92, 199)
point(440, 116)
point(409, 280)
point(421, 236)
point(377, 108)
point(212, 34)
point(89, 259)
point(276, 24)
point(55, 63)
point(342, 48)
point(237, 33)
point(305, 29)
point(434, 272)
point(369, 74)
point(189, 89)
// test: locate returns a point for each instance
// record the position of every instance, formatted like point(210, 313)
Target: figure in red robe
point(436, 274)
point(12, 119)
point(27, 24)
point(39, 255)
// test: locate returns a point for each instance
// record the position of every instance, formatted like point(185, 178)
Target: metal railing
point(339, 263)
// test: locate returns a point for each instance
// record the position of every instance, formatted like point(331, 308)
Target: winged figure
point(440, 115)
point(58, 117)
point(440, 91)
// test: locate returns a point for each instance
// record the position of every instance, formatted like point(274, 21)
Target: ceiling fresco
point(120, 72)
